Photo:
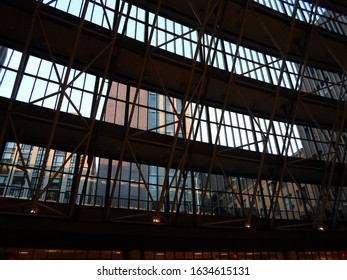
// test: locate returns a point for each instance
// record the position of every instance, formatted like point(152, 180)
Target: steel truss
point(192, 81)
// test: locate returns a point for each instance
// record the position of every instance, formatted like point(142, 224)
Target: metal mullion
point(262, 197)
point(225, 132)
point(92, 11)
point(225, 60)
point(174, 35)
point(267, 67)
point(105, 13)
point(228, 128)
point(86, 180)
point(240, 130)
point(182, 40)
point(236, 130)
point(246, 129)
point(108, 180)
point(129, 182)
point(295, 146)
point(249, 62)
point(125, 26)
point(232, 128)
point(295, 204)
point(36, 77)
point(84, 91)
point(289, 80)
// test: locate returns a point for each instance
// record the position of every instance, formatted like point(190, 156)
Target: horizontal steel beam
point(32, 125)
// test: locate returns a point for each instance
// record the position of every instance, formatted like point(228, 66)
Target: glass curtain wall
point(140, 186)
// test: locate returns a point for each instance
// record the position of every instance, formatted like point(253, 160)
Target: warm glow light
point(321, 228)
point(24, 253)
point(247, 225)
point(156, 219)
point(34, 210)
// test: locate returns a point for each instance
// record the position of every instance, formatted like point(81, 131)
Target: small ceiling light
point(320, 228)
point(156, 219)
point(24, 253)
point(247, 225)
point(34, 210)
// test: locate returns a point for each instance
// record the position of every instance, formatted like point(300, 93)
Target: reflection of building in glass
point(140, 188)
point(20, 173)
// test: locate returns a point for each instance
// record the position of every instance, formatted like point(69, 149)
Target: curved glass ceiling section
point(309, 13)
point(182, 40)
